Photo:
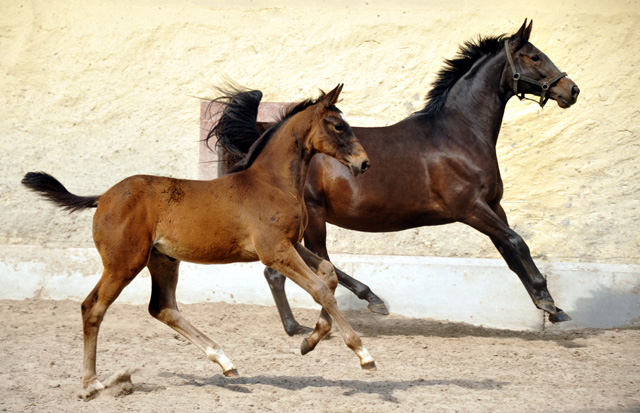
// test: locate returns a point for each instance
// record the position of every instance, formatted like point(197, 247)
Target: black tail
point(50, 188)
point(237, 128)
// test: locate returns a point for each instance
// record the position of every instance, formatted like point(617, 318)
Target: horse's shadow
point(368, 324)
point(385, 389)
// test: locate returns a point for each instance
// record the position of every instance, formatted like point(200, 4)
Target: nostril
point(365, 166)
point(575, 91)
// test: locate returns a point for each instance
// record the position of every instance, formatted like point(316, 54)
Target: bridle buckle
point(516, 76)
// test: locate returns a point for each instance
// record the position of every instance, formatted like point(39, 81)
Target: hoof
point(378, 308)
point(232, 374)
point(298, 330)
point(547, 306)
point(91, 390)
point(371, 366)
point(559, 316)
point(304, 347)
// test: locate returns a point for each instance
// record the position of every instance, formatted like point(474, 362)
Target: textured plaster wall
point(94, 91)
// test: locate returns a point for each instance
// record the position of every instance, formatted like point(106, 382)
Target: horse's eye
point(339, 127)
point(535, 58)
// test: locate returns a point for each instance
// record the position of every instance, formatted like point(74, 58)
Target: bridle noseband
point(545, 86)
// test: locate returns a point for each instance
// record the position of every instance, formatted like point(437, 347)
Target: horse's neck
point(285, 158)
point(480, 97)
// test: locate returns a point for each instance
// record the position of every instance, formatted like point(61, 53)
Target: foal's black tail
point(50, 188)
point(237, 128)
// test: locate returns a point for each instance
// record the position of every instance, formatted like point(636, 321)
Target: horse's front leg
point(290, 262)
point(315, 239)
point(363, 292)
point(276, 284)
point(493, 222)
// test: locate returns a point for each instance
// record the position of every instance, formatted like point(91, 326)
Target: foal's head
point(331, 134)
point(533, 72)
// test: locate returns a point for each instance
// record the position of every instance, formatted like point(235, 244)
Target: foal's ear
point(331, 98)
point(522, 35)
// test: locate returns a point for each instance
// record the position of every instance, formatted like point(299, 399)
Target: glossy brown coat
point(436, 167)
point(254, 214)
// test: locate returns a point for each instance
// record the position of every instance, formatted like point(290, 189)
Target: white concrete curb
point(476, 291)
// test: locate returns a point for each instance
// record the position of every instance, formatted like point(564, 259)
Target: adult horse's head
point(332, 135)
point(531, 71)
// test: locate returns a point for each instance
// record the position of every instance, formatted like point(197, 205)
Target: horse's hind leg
point(493, 222)
point(163, 306)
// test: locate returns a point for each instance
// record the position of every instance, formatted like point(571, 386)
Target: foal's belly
point(218, 251)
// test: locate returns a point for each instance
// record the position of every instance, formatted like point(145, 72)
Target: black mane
point(237, 132)
point(260, 143)
point(469, 53)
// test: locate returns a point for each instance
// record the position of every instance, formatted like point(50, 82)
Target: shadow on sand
point(384, 388)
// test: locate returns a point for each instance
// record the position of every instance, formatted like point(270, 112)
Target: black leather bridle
point(545, 86)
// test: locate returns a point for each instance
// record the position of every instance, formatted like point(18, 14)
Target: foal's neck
point(286, 157)
point(480, 97)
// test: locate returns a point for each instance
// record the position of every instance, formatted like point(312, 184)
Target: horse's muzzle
point(565, 93)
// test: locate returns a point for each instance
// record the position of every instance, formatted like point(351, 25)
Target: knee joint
point(328, 273)
point(274, 278)
point(518, 245)
point(321, 293)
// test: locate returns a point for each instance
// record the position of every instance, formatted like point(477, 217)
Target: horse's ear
point(527, 31)
point(522, 35)
point(331, 98)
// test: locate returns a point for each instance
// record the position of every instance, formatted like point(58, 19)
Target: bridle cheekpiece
point(516, 76)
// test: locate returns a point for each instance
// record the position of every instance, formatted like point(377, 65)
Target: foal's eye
point(535, 58)
point(339, 127)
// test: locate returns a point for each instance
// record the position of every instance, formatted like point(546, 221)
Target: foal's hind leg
point(163, 306)
point(114, 279)
point(493, 222)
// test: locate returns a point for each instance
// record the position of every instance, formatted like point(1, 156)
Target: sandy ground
point(423, 365)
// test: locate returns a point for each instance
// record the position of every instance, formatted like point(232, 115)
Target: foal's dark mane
point(237, 130)
point(468, 54)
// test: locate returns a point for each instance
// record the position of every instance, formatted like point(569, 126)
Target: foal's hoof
point(91, 390)
point(304, 347)
point(547, 306)
point(232, 374)
point(378, 308)
point(559, 316)
point(371, 366)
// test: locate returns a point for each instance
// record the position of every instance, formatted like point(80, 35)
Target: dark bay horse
point(255, 213)
point(439, 165)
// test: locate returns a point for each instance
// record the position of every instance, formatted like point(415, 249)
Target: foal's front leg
point(315, 240)
point(289, 262)
point(325, 270)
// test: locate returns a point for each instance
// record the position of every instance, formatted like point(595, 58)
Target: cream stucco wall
point(94, 91)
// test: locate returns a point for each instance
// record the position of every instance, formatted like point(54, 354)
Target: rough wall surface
point(93, 92)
